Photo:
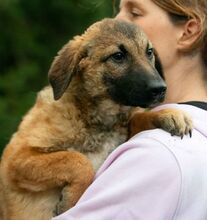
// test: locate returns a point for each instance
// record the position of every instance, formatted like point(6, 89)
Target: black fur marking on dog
point(136, 88)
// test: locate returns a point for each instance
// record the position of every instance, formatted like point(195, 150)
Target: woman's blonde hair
point(183, 10)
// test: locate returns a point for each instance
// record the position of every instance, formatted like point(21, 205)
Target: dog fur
point(96, 77)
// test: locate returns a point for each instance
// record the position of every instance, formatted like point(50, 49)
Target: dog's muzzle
point(141, 88)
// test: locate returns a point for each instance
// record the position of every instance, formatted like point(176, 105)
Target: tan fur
point(2, 200)
point(59, 144)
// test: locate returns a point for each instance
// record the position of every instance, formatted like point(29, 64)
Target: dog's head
point(112, 59)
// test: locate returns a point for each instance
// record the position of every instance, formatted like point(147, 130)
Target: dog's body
point(60, 144)
point(71, 134)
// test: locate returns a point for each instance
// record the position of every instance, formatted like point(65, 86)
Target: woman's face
point(156, 24)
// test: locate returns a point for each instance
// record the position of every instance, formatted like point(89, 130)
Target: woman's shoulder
point(168, 167)
point(146, 171)
point(146, 148)
point(165, 153)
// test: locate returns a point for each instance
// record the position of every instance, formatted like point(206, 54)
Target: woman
point(154, 176)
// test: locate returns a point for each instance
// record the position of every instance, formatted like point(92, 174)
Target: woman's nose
point(121, 16)
point(118, 15)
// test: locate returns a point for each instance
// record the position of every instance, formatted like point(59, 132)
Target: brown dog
point(95, 79)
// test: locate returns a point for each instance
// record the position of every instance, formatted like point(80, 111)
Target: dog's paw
point(59, 209)
point(176, 122)
point(63, 203)
point(68, 198)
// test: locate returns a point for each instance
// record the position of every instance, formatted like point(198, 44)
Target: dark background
point(31, 33)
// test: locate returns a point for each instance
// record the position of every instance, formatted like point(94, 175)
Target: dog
point(97, 81)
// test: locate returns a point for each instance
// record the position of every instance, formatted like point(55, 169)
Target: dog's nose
point(158, 91)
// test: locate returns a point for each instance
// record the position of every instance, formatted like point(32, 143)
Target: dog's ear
point(158, 65)
point(65, 66)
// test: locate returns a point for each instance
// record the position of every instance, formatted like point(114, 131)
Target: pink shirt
point(153, 176)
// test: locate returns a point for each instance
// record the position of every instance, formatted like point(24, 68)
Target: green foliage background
point(31, 33)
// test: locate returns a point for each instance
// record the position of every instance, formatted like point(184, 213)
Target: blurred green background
point(31, 33)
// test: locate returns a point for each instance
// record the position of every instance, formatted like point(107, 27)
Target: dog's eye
point(118, 57)
point(150, 53)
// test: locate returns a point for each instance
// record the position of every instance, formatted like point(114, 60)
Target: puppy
point(96, 81)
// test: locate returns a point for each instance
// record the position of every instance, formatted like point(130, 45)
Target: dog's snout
point(158, 91)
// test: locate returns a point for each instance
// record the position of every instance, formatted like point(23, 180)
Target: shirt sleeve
point(141, 181)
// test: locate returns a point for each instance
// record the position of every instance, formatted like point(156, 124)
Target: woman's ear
point(189, 34)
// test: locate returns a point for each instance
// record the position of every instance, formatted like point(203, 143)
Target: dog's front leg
point(35, 171)
point(174, 121)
